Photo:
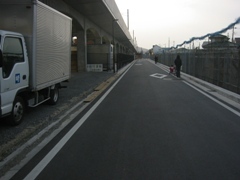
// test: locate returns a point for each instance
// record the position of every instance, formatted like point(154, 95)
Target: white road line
point(215, 100)
point(44, 162)
point(33, 152)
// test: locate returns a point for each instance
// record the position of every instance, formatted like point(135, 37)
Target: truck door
point(15, 71)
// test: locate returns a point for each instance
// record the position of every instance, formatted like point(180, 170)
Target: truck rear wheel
point(54, 95)
point(18, 111)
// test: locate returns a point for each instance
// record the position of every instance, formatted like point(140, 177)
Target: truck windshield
point(12, 51)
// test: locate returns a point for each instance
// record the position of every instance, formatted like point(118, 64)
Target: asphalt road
point(148, 126)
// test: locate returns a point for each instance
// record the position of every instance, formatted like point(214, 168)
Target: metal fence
point(219, 67)
point(123, 59)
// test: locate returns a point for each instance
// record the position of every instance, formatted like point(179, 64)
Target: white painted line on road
point(157, 75)
point(215, 100)
point(44, 162)
point(32, 153)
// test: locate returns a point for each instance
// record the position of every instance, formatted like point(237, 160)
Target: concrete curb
point(228, 94)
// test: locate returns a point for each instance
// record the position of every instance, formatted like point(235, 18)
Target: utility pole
point(114, 48)
point(128, 18)
point(133, 38)
point(233, 34)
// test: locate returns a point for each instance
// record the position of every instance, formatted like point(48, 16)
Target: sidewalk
point(81, 84)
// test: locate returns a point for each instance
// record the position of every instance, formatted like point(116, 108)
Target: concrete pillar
point(81, 51)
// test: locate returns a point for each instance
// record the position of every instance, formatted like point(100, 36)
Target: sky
point(171, 22)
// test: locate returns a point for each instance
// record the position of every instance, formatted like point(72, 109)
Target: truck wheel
point(18, 111)
point(54, 95)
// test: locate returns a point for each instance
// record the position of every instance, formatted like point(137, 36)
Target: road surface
point(148, 125)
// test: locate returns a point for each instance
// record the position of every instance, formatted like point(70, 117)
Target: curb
point(221, 91)
point(228, 94)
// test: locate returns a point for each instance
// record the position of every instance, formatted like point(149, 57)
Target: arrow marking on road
point(160, 76)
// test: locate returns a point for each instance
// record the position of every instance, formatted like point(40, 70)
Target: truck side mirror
point(1, 58)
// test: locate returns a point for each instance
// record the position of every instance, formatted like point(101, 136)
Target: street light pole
point(233, 33)
point(114, 50)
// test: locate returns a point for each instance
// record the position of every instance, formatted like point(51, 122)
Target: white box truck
point(35, 47)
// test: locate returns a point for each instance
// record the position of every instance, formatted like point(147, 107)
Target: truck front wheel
point(54, 95)
point(18, 111)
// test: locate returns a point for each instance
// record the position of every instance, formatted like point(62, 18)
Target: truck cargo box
point(47, 33)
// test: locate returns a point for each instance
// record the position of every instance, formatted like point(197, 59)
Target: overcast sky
point(158, 21)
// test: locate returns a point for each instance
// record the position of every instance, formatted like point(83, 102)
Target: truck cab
point(35, 55)
point(14, 74)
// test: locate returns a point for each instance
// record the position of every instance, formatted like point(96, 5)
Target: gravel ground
point(79, 86)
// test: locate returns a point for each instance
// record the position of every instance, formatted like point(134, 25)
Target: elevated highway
point(95, 22)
